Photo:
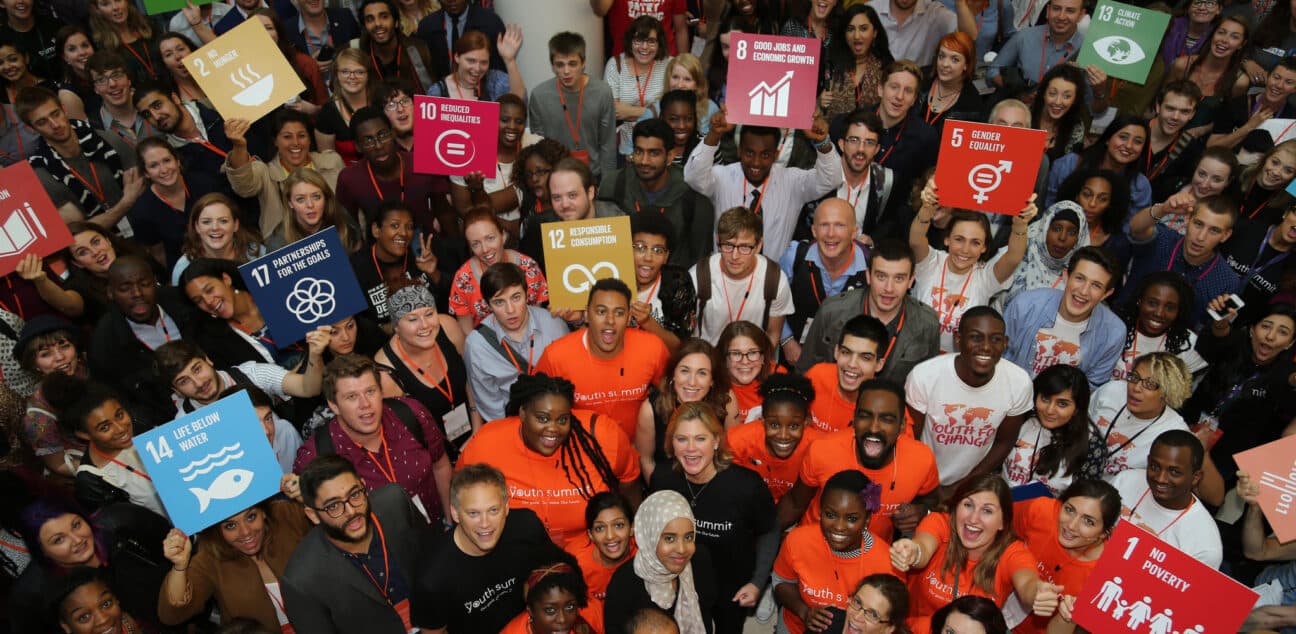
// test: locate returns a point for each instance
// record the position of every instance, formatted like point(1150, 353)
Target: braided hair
point(579, 451)
point(1178, 332)
point(793, 389)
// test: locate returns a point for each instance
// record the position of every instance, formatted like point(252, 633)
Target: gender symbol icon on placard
point(19, 231)
point(228, 484)
point(771, 100)
point(589, 274)
point(311, 300)
point(987, 177)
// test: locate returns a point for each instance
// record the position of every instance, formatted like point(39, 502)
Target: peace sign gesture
point(426, 260)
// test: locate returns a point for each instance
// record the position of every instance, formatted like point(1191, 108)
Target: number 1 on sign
point(1133, 542)
point(162, 450)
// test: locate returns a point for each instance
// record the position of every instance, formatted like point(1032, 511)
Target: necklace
point(693, 495)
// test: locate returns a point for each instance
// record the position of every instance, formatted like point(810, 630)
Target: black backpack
point(703, 269)
point(324, 440)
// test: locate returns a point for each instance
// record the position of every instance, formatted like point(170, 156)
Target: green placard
point(1123, 40)
point(154, 7)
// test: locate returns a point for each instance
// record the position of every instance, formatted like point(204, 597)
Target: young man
point(774, 193)
point(389, 441)
point(320, 29)
point(385, 172)
point(239, 11)
point(197, 383)
point(868, 186)
point(649, 183)
point(914, 27)
point(397, 102)
point(911, 324)
point(508, 342)
point(471, 579)
point(1256, 254)
point(1172, 149)
point(857, 358)
point(610, 365)
point(442, 28)
point(875, 445)
point(907, 144)
point(117, 114)
point(195, 131)
point(355, 571)
point(1071, 325)
point(1032, 52)
point(968, 406)
point(394, 55)
point(572, 196)
point(575, 109)
point(33, 34)
point(1160, 500)
point(1195, 255)
point(283, 436)
point(1246, 113)
point(739, 276)
point(89, 176)
point(820, 269)
point(666, 303)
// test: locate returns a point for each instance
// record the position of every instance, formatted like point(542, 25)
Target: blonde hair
point(1171, 372)
point(352, 54)
point(1251, 174)
point(693, 65)
point(333, 213)
point(704, 413)
point(105, 34)
point(425, 8)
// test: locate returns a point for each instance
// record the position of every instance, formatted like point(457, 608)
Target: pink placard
point(29, 222)
point(772, 81)
point(1273, 466)
point(455, 137)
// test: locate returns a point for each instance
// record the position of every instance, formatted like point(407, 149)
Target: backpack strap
point(772, 273)
point(239, 377)
point(323, 442)
point(420, 70)
point(703, 272)
point(888, 182)
point(407, 418)
point(498, 346)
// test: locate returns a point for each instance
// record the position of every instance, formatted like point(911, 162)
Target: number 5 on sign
point(578, 253)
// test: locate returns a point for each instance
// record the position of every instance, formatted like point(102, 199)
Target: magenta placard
point(455, 137)
point(772, 80)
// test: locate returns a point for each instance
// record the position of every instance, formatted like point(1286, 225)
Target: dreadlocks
point(1178, 332)
point(580, 450)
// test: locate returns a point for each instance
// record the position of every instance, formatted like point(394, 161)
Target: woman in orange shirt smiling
point(775, 445)
point(749, 360)
point(609, 524)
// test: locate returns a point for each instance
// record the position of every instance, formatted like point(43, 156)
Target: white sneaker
point(766, 608)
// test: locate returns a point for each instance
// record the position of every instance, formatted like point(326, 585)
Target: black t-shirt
point(479, 594)
point(731, 511)
point(38, 44)
point(626, 593)
point(1261, 267)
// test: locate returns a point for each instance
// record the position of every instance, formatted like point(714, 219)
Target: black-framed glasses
point(397, 104)
point(869, 614)
point(375, 140)
point(1147, 382)
point(354, 499)
point(729, 247)
point(353, 72)
point(540, 173)
point(104, 80)
point(750, 355)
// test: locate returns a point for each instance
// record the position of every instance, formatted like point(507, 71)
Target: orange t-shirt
point(597, 574)
point(748, 397)
point(539, 483)
point(747, 444)
point(911, 474)
point(829, 412)
point(823, 578)
point(1036, 523)
point(592, 613)
point(613, 387)
point(929, 592)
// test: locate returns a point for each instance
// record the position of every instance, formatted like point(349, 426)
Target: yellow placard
point(243, 72)
point(581, 252)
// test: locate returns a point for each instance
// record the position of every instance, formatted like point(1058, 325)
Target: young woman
point(970, 550)
point(413, 11)
point(215, 232)
point(1103, 196)
point(969, 265)
point(609, 524)
point(312, 207)
point(159, 217)
point(731, 501)
point(1158, 317)
point(1067, 535)
point(471, 76)
point(1128, 415)
point(352, 88)
point(92, 251)
point(238, 563)
point(46, 346)
point(86, 605)
point(75, 47)
point(638, 75)
point(857, 55)
point(969, 614)
point(216, 288)
point(310, 100)
point(1264, 185)
point(557, 602)
point(775, 445)
point(1214, 174)
point(503, 197)
point(388, 263)
point(118, 24)
point(670, 571)
point(15, 74)
point(173, 48)
point(949, 90)
point(1051, 242)
point(1121, 148)
point(1059, 109)
point(748, 355)
point(691, 377)
point(878, 606)
point(818, 23)
point(1218, 69)
point(1062, 410)
point(486, 237)
point(685, 72)
point(530, 175)
point(1191, 31)
point(833, 556)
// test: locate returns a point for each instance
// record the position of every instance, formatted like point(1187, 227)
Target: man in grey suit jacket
point(354, 571)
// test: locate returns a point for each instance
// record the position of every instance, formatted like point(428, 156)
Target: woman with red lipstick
point(1059, 108)
point(1061, 410)
point(691, 377)
point(609, 523)
point(486, 236)
point(160, 216)
point(311, 208)
point(857, 54)
point(819, 565)
point(970, 549)
point(238, 564)
point(503, 197)
point(949, 91)
point(1159, 317)
point(775, 445)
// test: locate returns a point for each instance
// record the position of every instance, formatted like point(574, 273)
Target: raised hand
point(177, 549)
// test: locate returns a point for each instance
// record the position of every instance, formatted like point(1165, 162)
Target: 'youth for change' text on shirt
point(961, 421)
point(1128, 439)
point(825, 578)
point(1191, 530)
point(612, 387)
point(957, 293)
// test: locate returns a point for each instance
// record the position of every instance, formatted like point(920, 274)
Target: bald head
point(834, 228)
point(651, 620)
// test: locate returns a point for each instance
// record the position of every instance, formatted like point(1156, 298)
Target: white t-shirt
point(727, 303)
point(132, 480)
point(1059, 344)
point(1019, 466)
point(1144, 344)
point(952, 294)
point(501, 178)
point(858, 197)
point(961, 421)
point(1130, 439)
point(1191, 530)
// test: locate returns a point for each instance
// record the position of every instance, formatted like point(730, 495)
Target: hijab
point(1039, 269)
point(656, 511)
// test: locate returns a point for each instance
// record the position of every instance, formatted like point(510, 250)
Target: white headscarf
point(658, 510)
point(1038, 268)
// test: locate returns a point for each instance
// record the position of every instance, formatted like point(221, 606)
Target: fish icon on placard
point(227, 486)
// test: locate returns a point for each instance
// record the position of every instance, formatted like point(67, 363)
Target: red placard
point(772, 80)
point(455, 137)
point(1142, 584)
point(1273, 467)
point(29, 222)
point(988, 167)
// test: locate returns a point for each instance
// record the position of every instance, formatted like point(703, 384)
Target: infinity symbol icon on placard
point(588, 273)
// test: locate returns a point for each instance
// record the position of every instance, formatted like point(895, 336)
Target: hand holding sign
point(30, 225)
point(304, 285)
point(455, 137)
point(772, 80)
point(1122, 40)
point(244, 73)
point(988, 167)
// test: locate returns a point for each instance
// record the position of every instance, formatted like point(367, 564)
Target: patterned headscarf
point(407, 299)
point(658, 510)
point(1039, 269)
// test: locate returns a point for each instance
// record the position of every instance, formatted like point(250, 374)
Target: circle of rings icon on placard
point(311, 300)
point(589, 273)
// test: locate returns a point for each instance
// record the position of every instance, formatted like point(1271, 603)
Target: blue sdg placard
point(304, 285)
point(211, 463)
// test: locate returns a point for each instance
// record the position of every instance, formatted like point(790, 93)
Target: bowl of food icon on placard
point(254, 89)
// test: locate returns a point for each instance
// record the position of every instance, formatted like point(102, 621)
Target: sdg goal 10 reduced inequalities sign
point(1123, 40)
point(455, 137)
point(772, 80)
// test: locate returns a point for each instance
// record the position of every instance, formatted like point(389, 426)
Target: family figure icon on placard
point(1138, 613)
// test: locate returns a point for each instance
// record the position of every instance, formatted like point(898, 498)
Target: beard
point(339, 533)
point(869, 462)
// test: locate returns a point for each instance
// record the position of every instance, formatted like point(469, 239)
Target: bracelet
point(918, 551)
point(1018, 234)
point(1152, 213)
point(179, 569)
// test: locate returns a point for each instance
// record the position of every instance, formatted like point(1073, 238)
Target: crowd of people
point(856, 445)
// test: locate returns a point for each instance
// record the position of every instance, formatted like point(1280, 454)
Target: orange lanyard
point(1250, 216)
point(186, 92)
point(1172, 522)
point(946, 318)
point(390, 472)
point(1059, 279)
point(377, 69)
point(641, 87)
point(374, 181)
point(476, 89)
point(249, 332)
point(652, 291)
point(382, 541)
point(14, 547)
point(119, 463)
point(142, 60)
point(1152, 172)
point(929, 117)
point(1044, 49)
point(373, 251)
point(854, 200)
point(208, 144)
point(166, 333)
point(181, 206)
point(894, 142)
point(746, 294)
point(1134, 349)
point(96, 189)
point(760, 198)
point(308, 35)
point(580, 106)
point(530, 363)
point(448, 391)
point(899, 327)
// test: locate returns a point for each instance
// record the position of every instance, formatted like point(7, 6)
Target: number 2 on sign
point(162, 450)
point(261, 274)
point(556, 237)
point(202, 68)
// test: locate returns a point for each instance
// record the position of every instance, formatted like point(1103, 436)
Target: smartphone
point(325, 53)
point(1232, 303)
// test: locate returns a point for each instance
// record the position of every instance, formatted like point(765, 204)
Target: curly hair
point(580, 450)
point(1171, 372)
point(1180, 330)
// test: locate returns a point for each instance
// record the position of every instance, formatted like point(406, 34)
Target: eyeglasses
point(750, 355)
point(1205, 3)
point(854, 140)
point(353, 72)
point(397, 104)
point(729, 247)
point(376, 140)
point(353, 500)
point(643, 40)
point(640, 247)
point(104, 80)
point(869, 614)
point(540, 173)
point(1147, 382)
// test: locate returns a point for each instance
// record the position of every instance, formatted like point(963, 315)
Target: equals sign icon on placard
point(456, 149)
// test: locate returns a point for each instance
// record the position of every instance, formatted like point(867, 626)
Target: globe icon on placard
point(1119, 51)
